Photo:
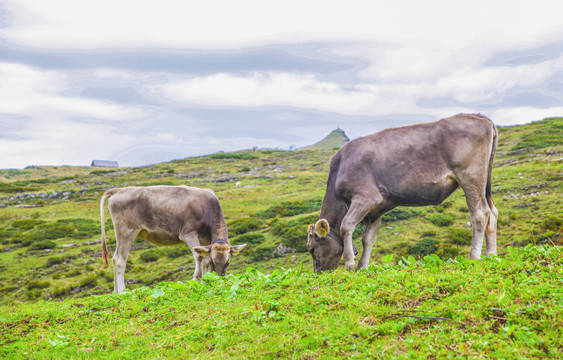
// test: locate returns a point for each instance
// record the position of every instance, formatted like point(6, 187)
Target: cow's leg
point(359, 208)
point(368, 239)
point(491, 232)
point(479, 211)
point(192, 240)
point(124, 238)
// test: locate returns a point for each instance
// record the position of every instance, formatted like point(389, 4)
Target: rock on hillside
point(337, 138)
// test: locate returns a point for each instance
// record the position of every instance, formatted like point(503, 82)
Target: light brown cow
point(412, 165)
point(167, 215)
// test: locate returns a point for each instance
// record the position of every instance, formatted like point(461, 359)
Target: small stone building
point(105, 163)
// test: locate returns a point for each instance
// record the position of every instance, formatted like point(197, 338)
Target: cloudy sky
point(142, 82)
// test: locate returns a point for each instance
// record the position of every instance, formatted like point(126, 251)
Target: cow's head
point(323, 247)
point(216, 257)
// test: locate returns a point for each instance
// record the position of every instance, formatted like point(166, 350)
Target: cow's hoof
point(350, 265)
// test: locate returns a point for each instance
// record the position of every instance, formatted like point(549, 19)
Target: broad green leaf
point(157, 292)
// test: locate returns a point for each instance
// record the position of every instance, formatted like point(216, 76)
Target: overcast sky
point(142, 82)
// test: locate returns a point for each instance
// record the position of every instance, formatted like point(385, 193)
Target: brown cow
point(412, 165)
point(167, 215)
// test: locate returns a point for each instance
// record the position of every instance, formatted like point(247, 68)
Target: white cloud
point(45, 121)
point(483, 83)
point(270, 89)
point(384, 59)
point(40, 94)
point(234, 24)
point(304, 91)
point(55, 142)
point(521, 115)
point(467, 85)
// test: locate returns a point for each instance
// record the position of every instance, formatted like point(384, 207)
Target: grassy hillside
point(336, 139)
point(499, 308)
point(49, 226)
point(44, 173)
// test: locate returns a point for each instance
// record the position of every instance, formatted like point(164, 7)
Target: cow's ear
point(322, 228)
point(237, 248)
point(203, 250)
point(311, 229)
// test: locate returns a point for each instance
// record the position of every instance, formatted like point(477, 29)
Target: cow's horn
point(322, 228)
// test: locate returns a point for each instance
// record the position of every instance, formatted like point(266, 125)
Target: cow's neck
point(333, 211)
point(215, 222)
point(220, 231)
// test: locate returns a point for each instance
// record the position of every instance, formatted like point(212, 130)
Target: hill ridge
point(337, 138)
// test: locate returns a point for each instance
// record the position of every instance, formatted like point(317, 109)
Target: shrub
point(41, 245)
point(139, 242)
point(173, 252)
point(553, 224)
point(54, 230)
point(17, 187)
point(263, 251)
point(424, 247)
point(428, 233)
point(10, 235)
point(541, 138)
point(250, 238)
point(441, 219)
point(358, 232)
point(106, 275)
point(55, 260)
point(89, 281)
point(460, 236)
point(244, 225)
point(7, 289)
point(23, 239)
point(26, 224)
point(33, 294)
point(85, 228)
point(291, 208)
point(38, 284)
point(60, 291)
point(400, 249)
point(6, 235)
point(400, 245)
point(235, 155)
point(400, 213)
point(447, 252)
point(102, 172)
point(293, 232)
point(73, 273)
point(150, 255)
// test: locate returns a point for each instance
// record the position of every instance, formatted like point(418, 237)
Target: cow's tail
point(488, 189)
point(105, 253)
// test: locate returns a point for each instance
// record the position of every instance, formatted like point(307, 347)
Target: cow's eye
point(312, 252)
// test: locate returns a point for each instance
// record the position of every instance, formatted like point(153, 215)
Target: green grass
point(280, 195)
point(335, 140)
point(408, 304)
point(501, 307)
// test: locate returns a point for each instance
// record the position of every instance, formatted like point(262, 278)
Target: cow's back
point(411, 164)
point(161, 208)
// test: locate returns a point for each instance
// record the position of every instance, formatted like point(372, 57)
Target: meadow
point(501, 307)
point(420, 297)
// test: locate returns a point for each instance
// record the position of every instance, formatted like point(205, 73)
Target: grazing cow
point(167, 215)
point(412, 165)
